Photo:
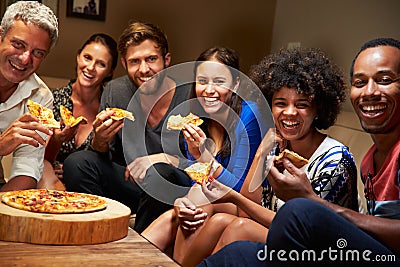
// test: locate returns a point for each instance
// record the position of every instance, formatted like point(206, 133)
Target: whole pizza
point(53, 201)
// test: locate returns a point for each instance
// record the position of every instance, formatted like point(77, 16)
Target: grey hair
point(31, 12)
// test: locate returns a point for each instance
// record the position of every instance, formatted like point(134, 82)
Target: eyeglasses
point(369, 194)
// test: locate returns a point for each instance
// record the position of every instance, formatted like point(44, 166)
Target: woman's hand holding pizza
point(23, 130)
point(105, 129)
point(194, 136)
point(65, 134)
point(189, 216)
point(295, 185)
point(217, 192)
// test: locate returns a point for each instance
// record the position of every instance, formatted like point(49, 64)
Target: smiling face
point(22, 50)
point(94, 65)
point(375, 90)
point(143, 61)
point(214, 86)
point(293, 114)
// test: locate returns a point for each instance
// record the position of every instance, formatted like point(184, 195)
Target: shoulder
point(332, 150)
point(182, 91)
point(329, 143)
point(64, 90)
point(62, 96)
point(249, 108)
point(250, 114)
point(121, 83)
point(40, 92)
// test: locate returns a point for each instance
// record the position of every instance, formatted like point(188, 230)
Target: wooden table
point(133, 250)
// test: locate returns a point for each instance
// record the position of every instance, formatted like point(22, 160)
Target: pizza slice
point(177, 122)
point(45, 115)
point(199, 172)
point(69, 119)
point(295, 158)
point(120, 114)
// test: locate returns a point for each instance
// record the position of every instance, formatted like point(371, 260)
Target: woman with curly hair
point(304, 90)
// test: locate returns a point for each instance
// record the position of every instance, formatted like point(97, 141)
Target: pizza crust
point(295, 158)
point(45, 115)
point(177, 122)
point(120, 114)
point(199, 172)
point(53, 201)
point(69, 119)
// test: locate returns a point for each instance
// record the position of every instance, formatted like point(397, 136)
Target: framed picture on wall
point(87, 9)
point(53, 4)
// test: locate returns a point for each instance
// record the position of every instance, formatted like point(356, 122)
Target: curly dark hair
point(311, 73)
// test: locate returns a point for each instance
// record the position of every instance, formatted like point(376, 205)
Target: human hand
point(105, 129)
point(190, 217)
point(217, 192)
point(65, 134)
point(136, 170)
point(194, 136)
point(295, 185)
point(58, 170)
point(23, 130)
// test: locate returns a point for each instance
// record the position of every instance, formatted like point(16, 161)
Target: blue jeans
point(300, 230)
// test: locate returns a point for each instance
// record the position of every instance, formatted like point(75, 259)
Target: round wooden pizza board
point(96, 227)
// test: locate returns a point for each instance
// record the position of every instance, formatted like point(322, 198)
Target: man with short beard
point(103, 170)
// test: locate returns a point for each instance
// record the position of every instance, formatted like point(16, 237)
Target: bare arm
point(252, 186)
point(136, 170)
point(19, 183)
point(23, 130)
point(54, 143)
point(298, 186)
point(217, 192)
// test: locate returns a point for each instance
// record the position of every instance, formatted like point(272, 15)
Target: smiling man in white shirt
point(28, 31)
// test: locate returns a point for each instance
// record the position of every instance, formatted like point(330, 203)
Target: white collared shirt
point(27, 160)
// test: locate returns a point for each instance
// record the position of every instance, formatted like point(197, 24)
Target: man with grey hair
point(28, 31)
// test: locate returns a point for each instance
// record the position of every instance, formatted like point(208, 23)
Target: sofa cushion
point(348, 131)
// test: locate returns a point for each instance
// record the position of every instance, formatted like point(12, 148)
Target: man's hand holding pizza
point(105, 128)
point(23, 130)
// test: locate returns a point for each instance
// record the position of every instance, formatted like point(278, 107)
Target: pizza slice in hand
point(199, 172)
point(45, 115)
point(177, 122)
point(120, 114)
point(295, 158)
point(69, 119)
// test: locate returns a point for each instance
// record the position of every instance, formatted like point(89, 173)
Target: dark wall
point(191, 27)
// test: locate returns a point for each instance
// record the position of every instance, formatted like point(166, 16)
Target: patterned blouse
point(332, 173)
point(62, 96)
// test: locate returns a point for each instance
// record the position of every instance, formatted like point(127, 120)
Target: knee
point(77, 164)
point(296, 209)
point(220, 219)
point(77, 159)
point(240, 226)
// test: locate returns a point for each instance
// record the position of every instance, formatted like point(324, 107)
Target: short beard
point(155, 83)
